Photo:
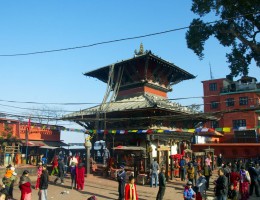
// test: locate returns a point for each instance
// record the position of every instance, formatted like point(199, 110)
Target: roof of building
point(102, 73)
point(145, 101)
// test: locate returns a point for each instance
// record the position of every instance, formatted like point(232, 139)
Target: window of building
point(214, 124)
point(213, 86)
point(230, 102)
point(243, 101)
point(214, 104)
point(239, 123)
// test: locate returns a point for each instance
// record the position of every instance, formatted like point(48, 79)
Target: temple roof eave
point(102, 72)
point(140, 103)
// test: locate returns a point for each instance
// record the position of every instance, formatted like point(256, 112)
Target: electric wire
point(119, 40)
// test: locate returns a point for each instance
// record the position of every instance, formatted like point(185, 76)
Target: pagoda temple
point(136, 110)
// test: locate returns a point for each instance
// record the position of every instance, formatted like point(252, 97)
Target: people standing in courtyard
point(221, 186)
point(73, 175)
point(80, 176)
point(191, 173)
point(74, 160)
point(234, 177)
point(130, 190)
point(254, 180)
point(162, 184)
point(219, 160)
point(176, 169)
point(25, 186)
point(189, 193)
point(55, 165)
point(61, 171)
point(44, 181)
point(183, 169)
point(154, 173)
point(201, 186)
point(244, 183)
point(9, 179)
point(207, 173)
point(39, 173)
point(121, 176)
point(232, 193)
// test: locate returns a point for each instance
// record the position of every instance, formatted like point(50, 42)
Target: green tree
point(238, 27)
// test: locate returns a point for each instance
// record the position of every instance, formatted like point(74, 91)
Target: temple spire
point(141, 50)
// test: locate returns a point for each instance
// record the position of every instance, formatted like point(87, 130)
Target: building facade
point(236, 103)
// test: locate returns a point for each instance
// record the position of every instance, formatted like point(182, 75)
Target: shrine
point(136, 110)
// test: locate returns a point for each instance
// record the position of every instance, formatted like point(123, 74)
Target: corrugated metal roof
point(134, 103)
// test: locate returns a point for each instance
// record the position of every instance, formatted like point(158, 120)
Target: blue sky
point(28, 26)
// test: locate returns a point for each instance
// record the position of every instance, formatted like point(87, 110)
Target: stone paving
point(104, 189)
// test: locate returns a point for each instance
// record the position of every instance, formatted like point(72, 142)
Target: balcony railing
point(239, 88)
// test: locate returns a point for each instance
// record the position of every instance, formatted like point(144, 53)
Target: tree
point(238, 27)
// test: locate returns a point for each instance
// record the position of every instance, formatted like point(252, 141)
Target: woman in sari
point(244, 183)
point(130, 190)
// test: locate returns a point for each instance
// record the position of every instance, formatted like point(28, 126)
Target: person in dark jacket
point(221, 183)
point(43, 183)
point(162, 184)
point(183, 169)
point(61, 171)
point(254, 182)
point(219, 160)
point(121, 176)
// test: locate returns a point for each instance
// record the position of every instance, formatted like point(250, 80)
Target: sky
point(29, 26)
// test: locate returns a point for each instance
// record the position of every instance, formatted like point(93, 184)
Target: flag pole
point(27, 138)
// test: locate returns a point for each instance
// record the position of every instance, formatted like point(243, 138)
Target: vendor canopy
point(129, 148)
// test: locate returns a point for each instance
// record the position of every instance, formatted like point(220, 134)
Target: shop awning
point(55, 143)
point(129, 148)
point(33, 143)
point(44, 144)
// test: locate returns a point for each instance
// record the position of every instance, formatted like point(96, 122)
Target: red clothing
point(80, 177)
point(55, 162)
point(127, 192)
point(25, 189)
point(234, 178)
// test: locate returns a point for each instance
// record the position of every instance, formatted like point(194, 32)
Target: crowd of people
point(76, 169)
point(236, 180)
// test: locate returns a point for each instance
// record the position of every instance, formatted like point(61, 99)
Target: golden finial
point(141, 50)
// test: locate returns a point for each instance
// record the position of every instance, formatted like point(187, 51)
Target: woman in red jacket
point(130, 190)
point(25, 186)
point(80, 176)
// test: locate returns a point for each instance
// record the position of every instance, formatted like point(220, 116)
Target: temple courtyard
point(105, 189)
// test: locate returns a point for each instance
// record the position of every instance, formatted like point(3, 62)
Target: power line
point(160, 100)
point(118, 40)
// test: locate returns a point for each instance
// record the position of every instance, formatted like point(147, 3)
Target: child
point(232, 193)
point(8, 180)
point(39, 173)
point(188, 193)
point(130, 190)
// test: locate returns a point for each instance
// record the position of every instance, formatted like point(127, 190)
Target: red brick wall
point(142, 90)
point(38, 133)
point(243, 150)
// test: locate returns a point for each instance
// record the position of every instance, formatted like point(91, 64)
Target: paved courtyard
point(107, 189)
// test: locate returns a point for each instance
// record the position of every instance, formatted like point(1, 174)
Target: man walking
point(254, 180)
point(121, 176)
point(43, 183)
point(221, 186)
point(61, 172)
point(154, 172)
point(162, 184)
